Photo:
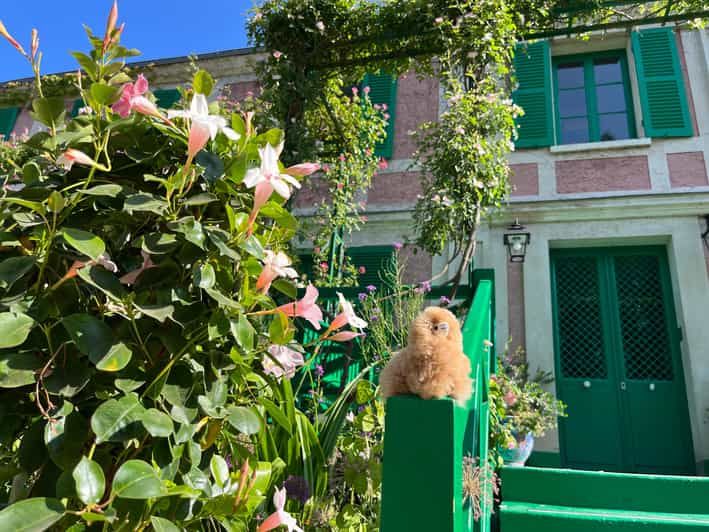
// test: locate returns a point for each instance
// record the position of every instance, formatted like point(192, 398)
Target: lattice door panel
point(580, 319)
point(641, 309)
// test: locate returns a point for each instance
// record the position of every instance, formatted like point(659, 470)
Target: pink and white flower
point(283, 361)
point(72, 156)
point(133, 99)
point(280, 517)
point(305, 308)
point(275, 265)
point(347, 316)
point(11, 39)
point(203, 126)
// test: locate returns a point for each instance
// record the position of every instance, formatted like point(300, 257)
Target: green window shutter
point(532, 65)
point(78, 104)
point(383, 91)
point(374, 259)
point(8, 116)
point(662, 93)
point(166, 98)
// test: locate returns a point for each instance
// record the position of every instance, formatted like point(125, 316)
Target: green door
point(618, 363)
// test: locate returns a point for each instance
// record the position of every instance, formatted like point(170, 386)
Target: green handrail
point(425, 442)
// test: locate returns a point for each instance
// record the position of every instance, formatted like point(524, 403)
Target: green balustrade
point(426, 440)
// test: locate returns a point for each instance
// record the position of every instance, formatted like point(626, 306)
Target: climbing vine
point(318, 48)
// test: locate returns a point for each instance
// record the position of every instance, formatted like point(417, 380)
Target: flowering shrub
point(147, 314)
point(519, 405)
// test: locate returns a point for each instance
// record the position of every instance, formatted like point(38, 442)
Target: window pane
point(574, 130)
point(607, 70)
point(570, 75)
point(613, 127)
point(572, 102)
point(610, 98)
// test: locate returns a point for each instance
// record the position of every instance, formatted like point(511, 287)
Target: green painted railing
point(425, 442)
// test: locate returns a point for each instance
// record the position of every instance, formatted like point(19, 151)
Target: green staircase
point(565, 500)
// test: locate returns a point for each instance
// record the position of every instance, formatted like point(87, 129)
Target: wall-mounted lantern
point(516, 242)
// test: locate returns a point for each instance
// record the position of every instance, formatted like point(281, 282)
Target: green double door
point(618, 362)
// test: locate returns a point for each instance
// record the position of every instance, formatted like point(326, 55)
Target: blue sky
point(158, 28)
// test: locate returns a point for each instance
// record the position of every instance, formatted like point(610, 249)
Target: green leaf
point(31, 173)
point(118, 419)
point(116, 359)
point(285, 287)
point(18, 369)
point(31, 515)
point(277, 414)
point(70, 377)
point(273, 137)
point(49, 111)
point(212, 164)
point(244, 420)
point(190, 228)
point(204, 276)
point(159, 243)
point(157, 312)
point(144, 202)
point(104, 280)
point(219, 469)
point(163, 525)
point(55, 202)
point(14, 329)
point(280, 215)
point(238, 124)
point(31, 205)
point(252, 245)
point(203, 82)
point(136, 479)
point(281, 330)
point(65, 439)
point(157, 423)
point(364, 393)
point(84, 242)
point(87, 64)
point(105, 94)
point(243, 332)
point(13, 269)
point(200, 199)
point(89, 480)
point(95, 339)
point(104, 190)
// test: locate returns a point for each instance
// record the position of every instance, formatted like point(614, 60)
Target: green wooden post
point(425, 442)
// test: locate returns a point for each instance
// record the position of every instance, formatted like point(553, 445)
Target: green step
point(613, 491)
point(525, 517)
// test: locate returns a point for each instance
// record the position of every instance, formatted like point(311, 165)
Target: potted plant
point(520, 409)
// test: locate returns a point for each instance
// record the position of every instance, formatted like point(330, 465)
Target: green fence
point(426, 441)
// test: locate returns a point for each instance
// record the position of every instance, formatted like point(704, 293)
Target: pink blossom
point(277, 54)
point(280, 517)
point(282, 362)
point(397, 245)
point(72, 156)
point(384, 107)
point(323, 266)
point(362, 270)
point(320, 25)
point(345, 336)
point(305, 308)
point(366, 89)
point(355, 91)
point(132, 277)
point(302, 169)
point(35, 43)
point(275, 265)
point(10, 39)
point(342, 157)
point(438, 20)
point(132, 99)
point(383, 164)
point(347, 316)
point(340, 186)
point(110, 26)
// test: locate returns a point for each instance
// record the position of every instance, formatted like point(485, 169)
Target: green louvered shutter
point(374, 259)
point(383, 91)
point(662, 93)
point(532, 65)
point(8, 116)
point(167, 97)
point(78, 104)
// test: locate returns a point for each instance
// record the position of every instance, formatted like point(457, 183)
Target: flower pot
point(517, 456)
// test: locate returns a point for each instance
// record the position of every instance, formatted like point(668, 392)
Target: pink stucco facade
point(687, 169)
point(524, 178)
point(416, 102)
point(394, 188)
point(603, 174)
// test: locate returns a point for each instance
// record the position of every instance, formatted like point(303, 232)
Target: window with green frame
point(593, 98)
